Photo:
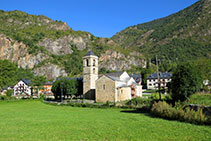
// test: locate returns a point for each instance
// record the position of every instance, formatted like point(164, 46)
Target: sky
point(102, 18)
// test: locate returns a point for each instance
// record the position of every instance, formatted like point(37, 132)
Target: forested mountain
point(182, 36)
point(53, 49)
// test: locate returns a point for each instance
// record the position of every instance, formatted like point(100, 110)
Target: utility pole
point(158, 76)
point(61, 90)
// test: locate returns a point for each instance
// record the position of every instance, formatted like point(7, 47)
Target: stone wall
point(105, 90)
point(124, 93)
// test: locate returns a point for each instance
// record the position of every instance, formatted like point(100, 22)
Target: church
point(112, 87)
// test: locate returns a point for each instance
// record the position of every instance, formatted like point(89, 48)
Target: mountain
point(53, 49)
point(182, 36)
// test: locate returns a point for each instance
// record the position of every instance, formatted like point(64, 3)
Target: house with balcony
point(153, 83)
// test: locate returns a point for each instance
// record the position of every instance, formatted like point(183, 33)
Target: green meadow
point(34, 120)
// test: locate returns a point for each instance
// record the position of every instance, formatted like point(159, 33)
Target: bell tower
point(90, 75)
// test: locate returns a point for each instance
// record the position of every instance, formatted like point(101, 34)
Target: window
point(94, 63)
point(121, 91)
point(87, 62)
point(94, 70)
point(103, 86)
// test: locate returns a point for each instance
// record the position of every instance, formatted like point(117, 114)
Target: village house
point(22, 88)
point(112, 87)
point(46, 88)
point(4, 90)
point(152, 80)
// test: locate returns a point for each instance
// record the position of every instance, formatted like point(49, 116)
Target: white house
point(22, 88)
point(152, 80)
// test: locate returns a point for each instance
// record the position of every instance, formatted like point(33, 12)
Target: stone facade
point(90, 75)
point(124, 93)
point(105, 90)
point(112, 87)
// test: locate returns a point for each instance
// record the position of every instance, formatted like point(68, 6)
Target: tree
point(38, 80)
point(37, 83)
point(9, 92)
point(24, 74)
point(8, 73)
point(69, 88)
point(185, 81)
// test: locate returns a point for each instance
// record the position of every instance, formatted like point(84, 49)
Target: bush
point(139, 102)
point(164, 110)
point(155, 96)
point(9, 92)
point(7, 98)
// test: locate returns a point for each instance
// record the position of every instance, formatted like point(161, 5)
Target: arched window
point(94, 70)
point(103, 86)
point(87, 62)
point(94, 62)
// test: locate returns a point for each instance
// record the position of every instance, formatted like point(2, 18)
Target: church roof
point(115, 74)
point(113, 78)
point(90, 53)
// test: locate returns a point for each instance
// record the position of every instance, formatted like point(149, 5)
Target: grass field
point(203, 99)
point(34, 120)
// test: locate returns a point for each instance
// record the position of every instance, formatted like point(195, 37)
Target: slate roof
point(114, 75)
point(161, 74)
point(113, 78)
point(48, 83)
point(76, 78)
point(136, 76)
point(26, 81)
point(90, 53)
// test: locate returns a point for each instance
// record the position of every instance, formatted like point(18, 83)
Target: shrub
point(9, 92)
point(7, 98)
point(164, 110)
point(139, 102)
point(160, 108)
point(156, 96)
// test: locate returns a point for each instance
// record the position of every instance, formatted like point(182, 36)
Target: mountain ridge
point(54, 49)
point(184, 24)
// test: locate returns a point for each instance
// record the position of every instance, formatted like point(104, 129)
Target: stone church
point(112, 87)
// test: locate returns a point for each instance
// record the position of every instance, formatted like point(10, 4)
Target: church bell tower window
point(94, 62)
point(87, 62)
point(93, 70)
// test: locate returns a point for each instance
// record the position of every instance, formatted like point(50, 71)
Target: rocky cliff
point(46, 46)
point(53, 49)
point(18, 53)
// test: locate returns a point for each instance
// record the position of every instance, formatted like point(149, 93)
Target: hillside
point(53, 49)
point(182, 36)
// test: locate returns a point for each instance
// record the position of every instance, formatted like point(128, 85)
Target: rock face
point(50, 42)
point(112, 60)
point(17, 53)
point(51, 71)
point(64, 45)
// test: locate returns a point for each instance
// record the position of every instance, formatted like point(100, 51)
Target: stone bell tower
point(90, 74)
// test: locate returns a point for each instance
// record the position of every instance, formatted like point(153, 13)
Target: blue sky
point(102, 18)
